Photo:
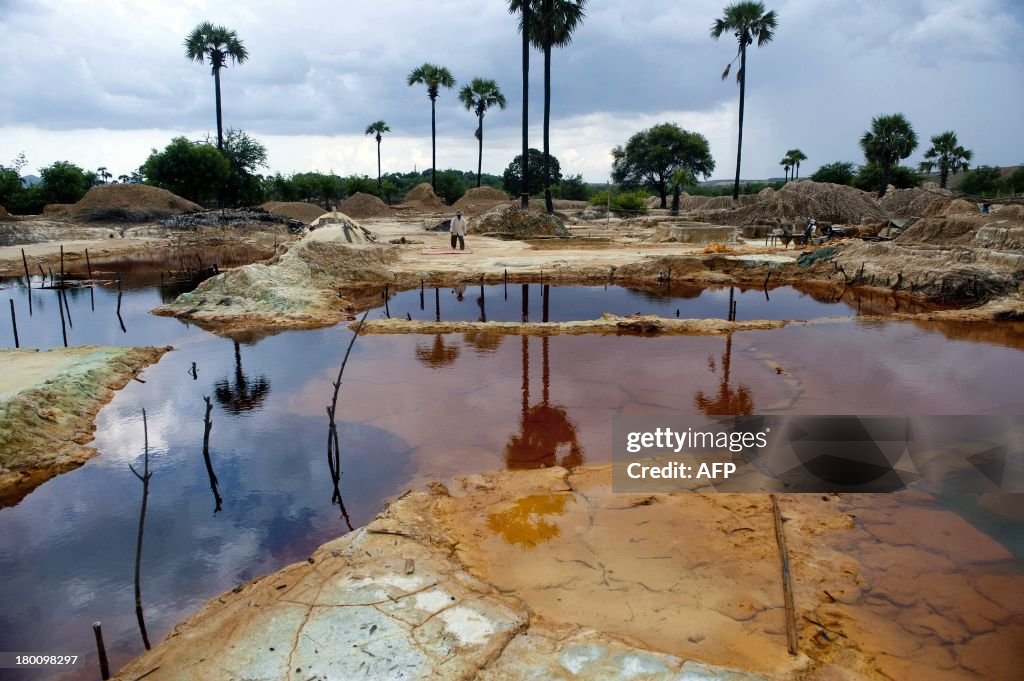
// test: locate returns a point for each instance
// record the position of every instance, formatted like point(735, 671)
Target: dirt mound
point(908, 203)
point(688, 202)
point(480, 199)
point(131, 197)
point(58, 208)
point(509, 222)
point(945, 206)
point(941, 231)
point(296, 210)
point(825, 201)
point(351, 231)
point(692, 233)
point(361, 205)
point(1012, 212)
point(423, 199)
point(569, 204)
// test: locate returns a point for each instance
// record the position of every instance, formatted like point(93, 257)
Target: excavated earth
point(47, 404)
point(547, 574)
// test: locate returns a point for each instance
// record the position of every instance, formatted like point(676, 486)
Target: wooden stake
point(437, 303)
point(14, 323)
point(787, 583)
point(144, 478)
point(62, 265)
point(387, 311)
point(24, 261)
point(62, 294)
point(207, 427)
point(88, 264)
point(97, 629)
point(63, 329)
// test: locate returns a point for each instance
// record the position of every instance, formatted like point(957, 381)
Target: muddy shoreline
point(507, 574)
point(48, 401)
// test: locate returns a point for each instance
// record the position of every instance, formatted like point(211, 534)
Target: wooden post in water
point(41, 274)
point(14, 323)
point(526, 303)
point(62, 265)
point(28, 281)
point(545, 293)
point(422, 288)
point(144, 478)
point(207, 427)
point(437, 304)
point(88, 264)
point(387, 310)
point(119, 291)
point(97, 630)
point(62, 294)
point(732, 293)
point(63, 329)
point(506, 284)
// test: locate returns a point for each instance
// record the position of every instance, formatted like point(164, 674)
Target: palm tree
point(103, 174)
point(378, 129)
point(748, 21)
point(785, 164)
point(890, 139)
point(479, 96)
point(216, 44)
point(795, 156)
point(552, 27)
point(948, 155)
point(525, 10)
point(434, 77)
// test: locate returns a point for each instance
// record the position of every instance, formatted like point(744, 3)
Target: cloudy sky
point(101, 83)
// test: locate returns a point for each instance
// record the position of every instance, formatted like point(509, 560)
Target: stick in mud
point(14, 323)
point(101, 650)
point(333, 447)
point(787, 582)
point(207, 427)
point(88, 264)
point(144, 478)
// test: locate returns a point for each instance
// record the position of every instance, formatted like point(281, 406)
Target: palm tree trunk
point(480, 156)
point(886, 171)
point(525, 195)
point(549, 205)
point(943, 176)
point(220, 126)
point(378, 163)
point(798, 170)
point(675, 200)
point(739, 140)
point(433, 144)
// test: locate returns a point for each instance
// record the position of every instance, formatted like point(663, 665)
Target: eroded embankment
point(548, 574)
point(47, 404)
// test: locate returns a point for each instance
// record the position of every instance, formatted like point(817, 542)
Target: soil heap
point(58, 208)
point(480, 200)
point(903, 204)
point(422, 199)
point(825, 201)
point(130, 202)
point(361, 205)
point(510, 222)
point(296, 210)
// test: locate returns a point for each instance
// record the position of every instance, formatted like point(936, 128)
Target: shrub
point(840, 172)
point(982, 181)
point(869, 177)
point(631, 202)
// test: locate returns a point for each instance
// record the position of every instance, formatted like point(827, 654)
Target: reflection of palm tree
point(544, 429)
point(244, 394)
point(524, 524)
point(728, 401)
point(438, 354)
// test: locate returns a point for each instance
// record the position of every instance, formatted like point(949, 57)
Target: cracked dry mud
point(547, 574)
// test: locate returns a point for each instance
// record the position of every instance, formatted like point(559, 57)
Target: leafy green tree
point(434, 77)
point(682, 180)
point(573, 188)
point(652, 156)
point(245, 156)
point(948, 156)
point(450, 186)
point(747, 21)
point(216, 44)
point(840, 172)
point(479, 96)
point(890, 140)
point(794, 157)
point(377, 129)
point(511, 180)
point(193, 170)
point(64, 182)
point(551, 27)
point(359, 183)
point(1015, 180)
point(870, 175)
point(524, 8)
point(982, 181)
point(10, 181)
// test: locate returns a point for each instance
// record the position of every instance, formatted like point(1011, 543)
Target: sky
point(103, 83)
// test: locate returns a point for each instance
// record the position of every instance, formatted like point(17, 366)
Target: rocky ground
point(47, 404)
point(548, 574)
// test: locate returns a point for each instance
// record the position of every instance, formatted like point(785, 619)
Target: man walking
point(458, 231)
